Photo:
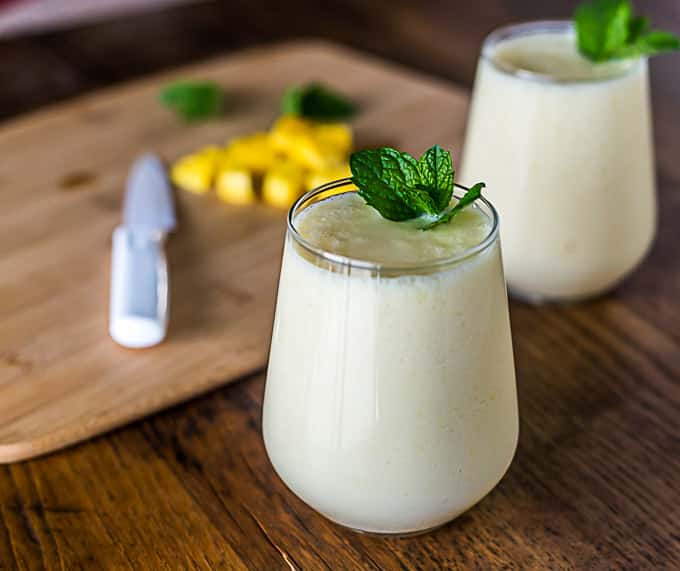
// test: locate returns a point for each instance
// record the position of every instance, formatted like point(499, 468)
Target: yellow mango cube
point(286, 131)
point(313, 154)
point(196, 172)
point(335, 135)
point(254, 152)
point(282, 184)
point(316, 178)
point(291, 124)
point(234, 185)
point(312, 145)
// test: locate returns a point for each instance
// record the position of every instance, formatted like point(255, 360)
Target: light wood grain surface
point(594, 484)
point(61, 377)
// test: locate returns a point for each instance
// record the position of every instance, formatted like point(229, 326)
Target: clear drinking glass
point(565, 147)
point(390, 404)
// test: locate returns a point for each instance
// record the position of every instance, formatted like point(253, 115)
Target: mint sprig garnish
point(387, 179)
point(436, 174)
point(472, 194)
point(608, 30)
point(316, 101)
point(401, 188)
point(193, 100)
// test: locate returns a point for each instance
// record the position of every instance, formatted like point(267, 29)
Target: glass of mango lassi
point(390, 402)
point(565, 145)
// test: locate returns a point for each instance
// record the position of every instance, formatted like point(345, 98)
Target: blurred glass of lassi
point(565, 146)
point(390, 402)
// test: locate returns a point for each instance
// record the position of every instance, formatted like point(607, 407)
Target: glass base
point(396, 534)
point(540, 299)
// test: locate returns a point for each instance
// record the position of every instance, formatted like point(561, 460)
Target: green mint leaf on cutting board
point(468, 198)
point(607, 30)
point(436, 175)
point(401, 188)
point(193, 100)
point(316, 101)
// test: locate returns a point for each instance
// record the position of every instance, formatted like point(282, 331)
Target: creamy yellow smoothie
point(390, 403)
point(566, 150)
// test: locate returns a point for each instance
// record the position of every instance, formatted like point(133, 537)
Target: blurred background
point(51, 50)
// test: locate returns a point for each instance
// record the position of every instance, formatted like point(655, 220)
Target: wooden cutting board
point(62, 175)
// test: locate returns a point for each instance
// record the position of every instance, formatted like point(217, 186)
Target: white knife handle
point(139, 289)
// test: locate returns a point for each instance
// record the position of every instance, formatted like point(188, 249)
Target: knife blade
point(148, 197)
point(139, 302)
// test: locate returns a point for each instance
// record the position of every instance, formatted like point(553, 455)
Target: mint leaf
point(384, 178)
point(420, 200)
point(401, 188)
point(606, 30)
point(602, 27)
point(291, 102)
point(637, 27)
point(436, 176)
point(658, 41)
point(316, 101)
point(652, 43)
point(468, 198)
point(193, 100)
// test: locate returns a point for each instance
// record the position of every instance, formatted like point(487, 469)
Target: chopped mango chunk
point(291, 124)
point(316, 178)
point(196, 172)
point(282, 184)
point(315, 155)
point(296, 154)
point(254, 152)
point(287, 131)
point(335, 135)
point(234, 184)
point(313, 145)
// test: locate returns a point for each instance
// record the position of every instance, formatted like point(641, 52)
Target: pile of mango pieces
point(294, 156)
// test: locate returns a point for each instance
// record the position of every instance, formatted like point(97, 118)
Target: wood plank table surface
point(595, 483)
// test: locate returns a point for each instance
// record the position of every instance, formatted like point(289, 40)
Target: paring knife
point(139, 271)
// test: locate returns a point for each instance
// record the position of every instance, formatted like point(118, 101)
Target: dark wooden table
point(596, 480)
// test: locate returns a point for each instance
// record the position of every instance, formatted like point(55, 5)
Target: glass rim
point(510, 31)
point(339, 259)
